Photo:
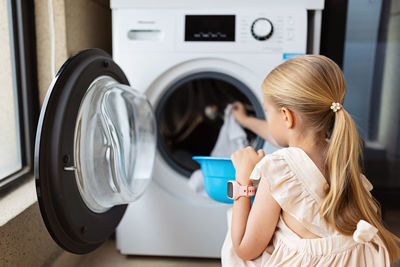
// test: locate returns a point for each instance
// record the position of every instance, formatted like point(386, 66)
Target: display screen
point(230, 190)
point(219, 28)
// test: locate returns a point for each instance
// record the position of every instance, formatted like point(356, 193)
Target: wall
point(78, 25)
point(24, 241)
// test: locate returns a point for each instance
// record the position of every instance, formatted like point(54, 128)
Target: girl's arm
point(260, 128)
point(257, 126)
point(252, 227)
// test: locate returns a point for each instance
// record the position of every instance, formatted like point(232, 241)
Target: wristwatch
point(235, 190)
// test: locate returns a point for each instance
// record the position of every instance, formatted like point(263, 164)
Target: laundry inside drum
point(190, 115)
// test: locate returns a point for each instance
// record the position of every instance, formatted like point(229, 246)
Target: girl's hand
point(244, 160)
point(239, 112)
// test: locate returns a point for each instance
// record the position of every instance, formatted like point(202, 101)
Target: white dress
point(296, 183)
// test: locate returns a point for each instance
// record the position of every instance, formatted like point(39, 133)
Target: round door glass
point(115, 140)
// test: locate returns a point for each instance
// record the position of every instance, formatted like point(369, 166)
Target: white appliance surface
point(149, 45)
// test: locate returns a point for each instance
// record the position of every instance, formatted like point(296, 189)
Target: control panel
point(276, 30)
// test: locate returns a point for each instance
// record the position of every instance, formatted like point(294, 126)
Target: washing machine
point(123, 130)
point(187, 56)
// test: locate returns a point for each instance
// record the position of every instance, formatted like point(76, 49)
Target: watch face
point(230, 189)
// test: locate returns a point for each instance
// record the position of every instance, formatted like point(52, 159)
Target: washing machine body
point(184, 58)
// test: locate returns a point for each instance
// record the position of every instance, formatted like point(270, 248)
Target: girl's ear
point(288, 117)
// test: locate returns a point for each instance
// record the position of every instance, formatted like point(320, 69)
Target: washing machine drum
point(94, 152)
point(190, 115)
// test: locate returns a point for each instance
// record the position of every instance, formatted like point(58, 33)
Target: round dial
point(262, 29)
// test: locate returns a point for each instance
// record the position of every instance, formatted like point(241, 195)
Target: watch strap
point(246, 190)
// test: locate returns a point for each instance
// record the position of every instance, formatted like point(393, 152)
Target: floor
point(108, 255)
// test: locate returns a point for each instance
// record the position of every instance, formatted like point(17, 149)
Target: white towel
point(231, 137)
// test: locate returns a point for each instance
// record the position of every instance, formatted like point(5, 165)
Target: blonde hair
point(309, 85)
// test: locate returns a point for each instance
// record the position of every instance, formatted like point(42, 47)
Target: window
point(363, 38)
point(18, 90)
point(10, 153)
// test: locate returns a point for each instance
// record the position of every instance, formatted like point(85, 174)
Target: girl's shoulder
point(285, 152)
point(273, 167)
point(295, 161)
point(291, 168)
point(277, 156)
point(285, 158)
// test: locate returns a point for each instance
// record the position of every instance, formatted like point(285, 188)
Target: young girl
point(313, 206)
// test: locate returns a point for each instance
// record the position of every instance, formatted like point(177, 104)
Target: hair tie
point(336, 106)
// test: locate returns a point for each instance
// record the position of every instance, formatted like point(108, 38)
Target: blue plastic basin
point(216, 172)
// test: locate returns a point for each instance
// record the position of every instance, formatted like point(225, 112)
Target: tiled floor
point(108, 255)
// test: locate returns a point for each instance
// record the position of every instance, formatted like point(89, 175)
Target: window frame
point(23, 49)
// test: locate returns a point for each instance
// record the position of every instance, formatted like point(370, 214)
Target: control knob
point(262, 29)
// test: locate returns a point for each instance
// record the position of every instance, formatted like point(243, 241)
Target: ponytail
point(347, 200)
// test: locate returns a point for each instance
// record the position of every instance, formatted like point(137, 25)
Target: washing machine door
point(94, 152)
